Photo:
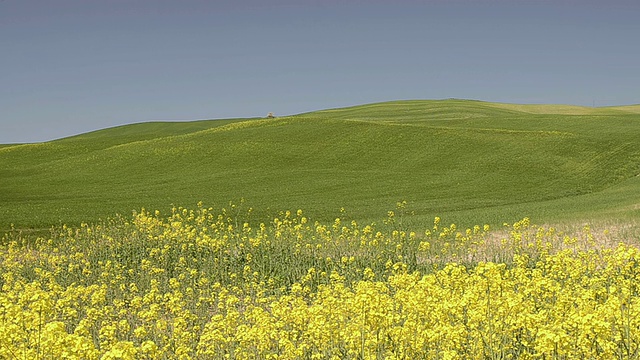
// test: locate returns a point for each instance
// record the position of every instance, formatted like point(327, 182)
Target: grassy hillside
point(627, 108)
point(467, 161)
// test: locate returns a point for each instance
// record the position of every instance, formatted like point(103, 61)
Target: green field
point(466, 161)
point(371, 267)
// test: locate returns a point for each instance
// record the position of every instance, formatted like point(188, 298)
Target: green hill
point(467, 161)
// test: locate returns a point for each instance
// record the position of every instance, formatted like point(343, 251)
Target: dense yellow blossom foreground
point(196, 285)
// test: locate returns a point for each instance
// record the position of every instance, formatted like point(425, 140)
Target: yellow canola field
point(198, 285)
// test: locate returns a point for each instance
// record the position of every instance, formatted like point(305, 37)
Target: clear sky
point(72, 66)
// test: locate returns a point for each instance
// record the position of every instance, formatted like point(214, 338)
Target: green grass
point(466, 161)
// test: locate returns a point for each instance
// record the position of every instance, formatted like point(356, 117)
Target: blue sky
point(72, 66)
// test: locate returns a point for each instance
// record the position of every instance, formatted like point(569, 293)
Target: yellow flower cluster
point(199, 285)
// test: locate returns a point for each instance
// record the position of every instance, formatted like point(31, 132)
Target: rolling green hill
point(467, 161)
